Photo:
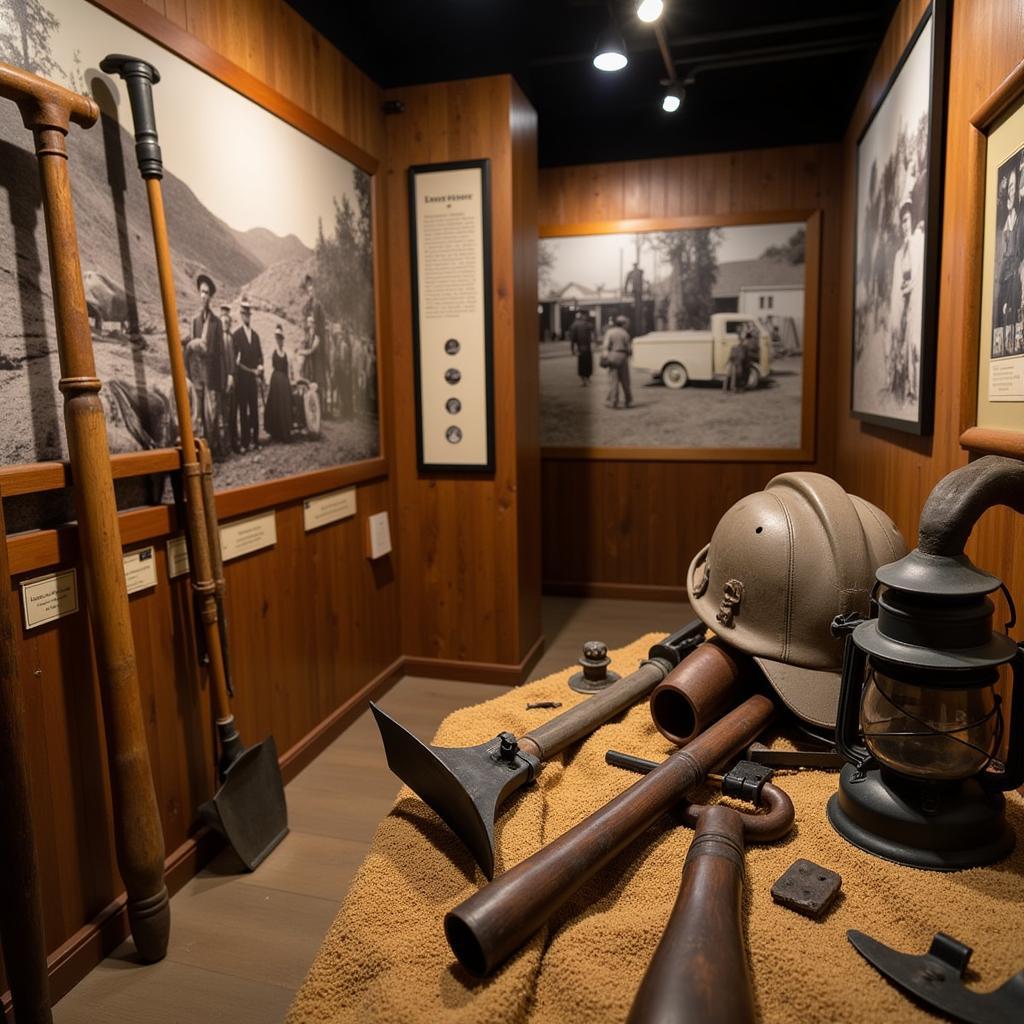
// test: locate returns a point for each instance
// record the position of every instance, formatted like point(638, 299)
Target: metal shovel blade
point(249, 809)
point(464, 785)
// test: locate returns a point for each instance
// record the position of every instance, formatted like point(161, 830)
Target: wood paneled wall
point(313, 623)
point(896, 470)
point(631, 528)
point(468, 543)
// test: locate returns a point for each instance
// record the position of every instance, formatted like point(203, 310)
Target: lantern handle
point(959, 499)
point(848, 712)
point(1013, 608)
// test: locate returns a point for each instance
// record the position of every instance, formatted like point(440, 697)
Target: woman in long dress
point(278, 411)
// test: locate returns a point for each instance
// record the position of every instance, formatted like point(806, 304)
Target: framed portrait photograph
point(992, 399)
point(271, 225)
point(680, 338)
point(897, 239)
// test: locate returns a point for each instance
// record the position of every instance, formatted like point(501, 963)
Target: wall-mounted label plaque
point(244, 536)
point(177, 556)
point(450, 228)
point(328, 508)
point(140, 569)
point(50, 597)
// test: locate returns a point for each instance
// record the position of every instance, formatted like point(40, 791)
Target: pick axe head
point(464, 785)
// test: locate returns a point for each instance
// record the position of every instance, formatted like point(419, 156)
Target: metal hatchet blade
point(464, 785)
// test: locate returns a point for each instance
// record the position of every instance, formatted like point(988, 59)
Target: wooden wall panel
point(466, 541)
point(313, 623)
point(617, 527)
point(896, 470)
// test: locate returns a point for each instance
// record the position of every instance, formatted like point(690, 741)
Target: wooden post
point(21, 906)
point(46, 109)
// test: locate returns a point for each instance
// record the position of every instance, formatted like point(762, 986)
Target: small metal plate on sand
point(807, 888)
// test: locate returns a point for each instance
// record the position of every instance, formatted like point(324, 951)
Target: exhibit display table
point(386, 957)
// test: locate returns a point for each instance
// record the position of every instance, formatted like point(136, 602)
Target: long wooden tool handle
point(138, 834)
point(699, 971)
point(565, 729)
point(486, 929)
point(220, 585)
point(139, 77)
point(21, 905)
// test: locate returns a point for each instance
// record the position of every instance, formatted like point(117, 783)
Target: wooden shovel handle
point(45, 104)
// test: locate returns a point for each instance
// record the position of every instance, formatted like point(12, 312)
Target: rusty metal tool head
point(467, 785)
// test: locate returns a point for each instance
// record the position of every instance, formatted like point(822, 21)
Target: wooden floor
point(242, 943)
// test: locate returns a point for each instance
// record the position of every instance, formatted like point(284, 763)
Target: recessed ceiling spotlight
point(672, 100)
point(610, 50)
point(649, 10)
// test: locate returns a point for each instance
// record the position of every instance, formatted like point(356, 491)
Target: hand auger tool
point(699, 973)
point(249, 808)
point(935, 978)
point(486, 929)
point(466, 785)
point(46, 110)
point(21, 905)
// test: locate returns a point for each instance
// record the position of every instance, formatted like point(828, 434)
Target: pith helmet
point(781, 565)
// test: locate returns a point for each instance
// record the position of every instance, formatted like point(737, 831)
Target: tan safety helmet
point(781, 565)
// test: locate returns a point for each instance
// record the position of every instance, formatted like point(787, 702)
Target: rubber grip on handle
point(139, 77)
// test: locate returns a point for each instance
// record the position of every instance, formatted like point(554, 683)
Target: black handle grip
point(675, 647)
point(140, 77)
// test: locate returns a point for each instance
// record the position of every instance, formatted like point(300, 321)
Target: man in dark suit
point(207, 328)
point(248, 371)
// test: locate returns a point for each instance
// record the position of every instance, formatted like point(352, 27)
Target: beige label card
point(244, 536)
point(50, 597)
point(380, 535)
point(177, 557)
point(140, 569)
point(328, 508)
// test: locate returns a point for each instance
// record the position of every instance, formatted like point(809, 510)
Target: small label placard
point(380, 535)
point(140, 569)
point(177, 557)
point(328, 508)
point(50, 597)
point(246, 535)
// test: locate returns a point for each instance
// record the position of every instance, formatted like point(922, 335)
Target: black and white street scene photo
point(686, 338)
point(272, 250)
point(892, 209)
point(1008, 268)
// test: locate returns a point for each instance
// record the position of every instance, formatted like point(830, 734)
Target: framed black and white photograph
point(992, 393)
point(682, 338)
point(450, 247)
point(898, 229)
point(272, 245)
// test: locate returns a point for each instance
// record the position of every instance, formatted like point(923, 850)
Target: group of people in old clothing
point(226, 371)
point(225, 368)
point(743, 356)
point(616, 349)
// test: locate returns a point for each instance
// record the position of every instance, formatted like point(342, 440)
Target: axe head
point(464, 785)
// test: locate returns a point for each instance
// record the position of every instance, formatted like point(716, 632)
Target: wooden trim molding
point(986, 441)
point(474, 671)
point(37, 549)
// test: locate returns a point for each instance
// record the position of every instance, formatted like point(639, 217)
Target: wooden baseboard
point(474, 671)
point(625, 591)
point(317, 740)
point(71, 962)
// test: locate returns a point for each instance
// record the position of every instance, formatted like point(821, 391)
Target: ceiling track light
point(672, 99)
point(610, 49)
point(649, 10)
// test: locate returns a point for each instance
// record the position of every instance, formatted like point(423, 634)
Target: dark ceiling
point(758, 73)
